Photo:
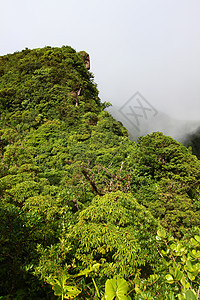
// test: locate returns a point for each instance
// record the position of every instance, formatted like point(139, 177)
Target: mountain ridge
point(81, 202)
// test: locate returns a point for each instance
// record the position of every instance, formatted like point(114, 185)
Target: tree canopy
point(80, 203)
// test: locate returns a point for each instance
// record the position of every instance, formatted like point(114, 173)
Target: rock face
point(86, 59)
point(87, 62)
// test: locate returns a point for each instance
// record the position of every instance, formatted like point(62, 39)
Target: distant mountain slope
point(181, 130)
point(193, 140)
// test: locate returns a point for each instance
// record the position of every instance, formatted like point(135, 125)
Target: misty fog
point(140, 117)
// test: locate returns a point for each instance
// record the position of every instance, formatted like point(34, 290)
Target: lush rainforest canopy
point(85, 213)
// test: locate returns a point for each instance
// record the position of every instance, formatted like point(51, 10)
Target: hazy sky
point(150, 46)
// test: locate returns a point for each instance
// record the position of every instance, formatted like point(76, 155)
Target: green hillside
point(83, 207)
point(193, 140)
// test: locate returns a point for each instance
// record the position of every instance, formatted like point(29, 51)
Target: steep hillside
point(80, 202)
point(47, 83)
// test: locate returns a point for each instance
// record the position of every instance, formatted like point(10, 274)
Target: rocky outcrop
point(86, 59)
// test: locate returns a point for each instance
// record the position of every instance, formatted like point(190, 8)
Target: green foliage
point(61, 289)
point(160, 156)
point(167, 182)
point(116, 288)
point(117, 232)
point(43, 79)
point(76, 193)
point(192, 141)
point(183, 265)
point(19, 234)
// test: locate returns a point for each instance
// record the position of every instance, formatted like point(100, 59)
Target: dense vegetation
point(84, 211)
point(193, 140)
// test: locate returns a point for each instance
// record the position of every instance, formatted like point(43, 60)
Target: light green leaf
point(95, 267)
point(169, 278)
point(190, 276)
point(197, 238)
point(171, 296)
point(190, 295)
point(161, 233)
point(71, 292)
point(171, 270)
point(195, 254)
point(183, 282)
point(187, 285)
point(61, 289)
point(178, 274)
point(116, 288)
point(196, 267)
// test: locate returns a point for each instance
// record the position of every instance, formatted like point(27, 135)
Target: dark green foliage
point(167, 182)
point(47, 81)
point(19, 236)
point(193, 141)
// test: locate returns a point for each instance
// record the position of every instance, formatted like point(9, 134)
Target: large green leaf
point(68, 292)
point(71, 292)
point(116, 288)
point(61, 289)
